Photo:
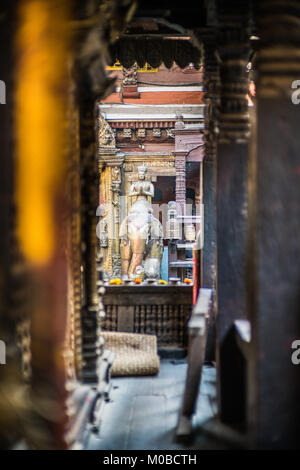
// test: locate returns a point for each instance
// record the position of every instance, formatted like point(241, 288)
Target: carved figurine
point(190, 233)
point(130, 76)
point(106, 136)
point(102, 228)
point(140, 232)
point(142, 188)
point(173, 228)
point(116, 179)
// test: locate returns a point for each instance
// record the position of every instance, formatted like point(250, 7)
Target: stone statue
point(130, 76)
point(102, 226)
point(142, 188)
point(141, 233)
point(103, 233)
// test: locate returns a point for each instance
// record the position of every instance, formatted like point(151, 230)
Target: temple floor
point(143, 412)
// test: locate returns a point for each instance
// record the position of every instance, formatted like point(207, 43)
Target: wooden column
point(232, 169)
point(116, 181)
point(42, 129)
point(212, 91)
point(91, 346)
point(209, 203)
point(11, 401)
point(275, 229)
point(92, 84)
point(209, 252)
point(180, 161)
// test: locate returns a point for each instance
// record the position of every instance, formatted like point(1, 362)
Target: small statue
point(173, 228)
point(103, 234)
point(130, 75)
point(190, 233)
point(116, 179)
point(102, 226)
point(142, 188)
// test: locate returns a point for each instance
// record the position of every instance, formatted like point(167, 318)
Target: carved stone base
point(117, 271)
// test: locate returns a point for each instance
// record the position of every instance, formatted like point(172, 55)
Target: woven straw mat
point(135, 354)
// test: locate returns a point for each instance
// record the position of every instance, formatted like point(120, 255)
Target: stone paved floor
point(143, 412)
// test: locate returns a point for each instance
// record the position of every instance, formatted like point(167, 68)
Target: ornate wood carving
point(212, 101)
point(143, 135)
point(142, 124)
point(278, 57)
point(180, 165)
point(74, 253)
point(91, 347)
point(116, 190)
point(129, 88)
point(130, 76)
point(106, 136)
point(231, 186)
point(171, 311)
point(212, 92)
point(234, 51)
point(154, 52)
point(106, 200)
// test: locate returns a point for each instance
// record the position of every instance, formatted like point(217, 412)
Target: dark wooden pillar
point(232, 219)
point(42, 210)
point(91, 345)
point(10, 377)
point(275, 229)
point(92, 84)
point(209, 203)
point(209, 252)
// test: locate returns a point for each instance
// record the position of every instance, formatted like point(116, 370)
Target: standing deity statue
point(142, 188)
point(102, 226)
point(141, 233)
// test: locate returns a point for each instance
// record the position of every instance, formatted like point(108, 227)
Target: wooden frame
point(197, 331)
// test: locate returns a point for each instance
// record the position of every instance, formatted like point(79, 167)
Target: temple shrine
point(149, 122)
point(149, 227)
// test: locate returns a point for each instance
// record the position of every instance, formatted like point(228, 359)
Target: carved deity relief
point(130, 76)
point(106, 136)
point(116, 179)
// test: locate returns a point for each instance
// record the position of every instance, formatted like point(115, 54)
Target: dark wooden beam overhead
point(154, 52)
point(188, 14)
